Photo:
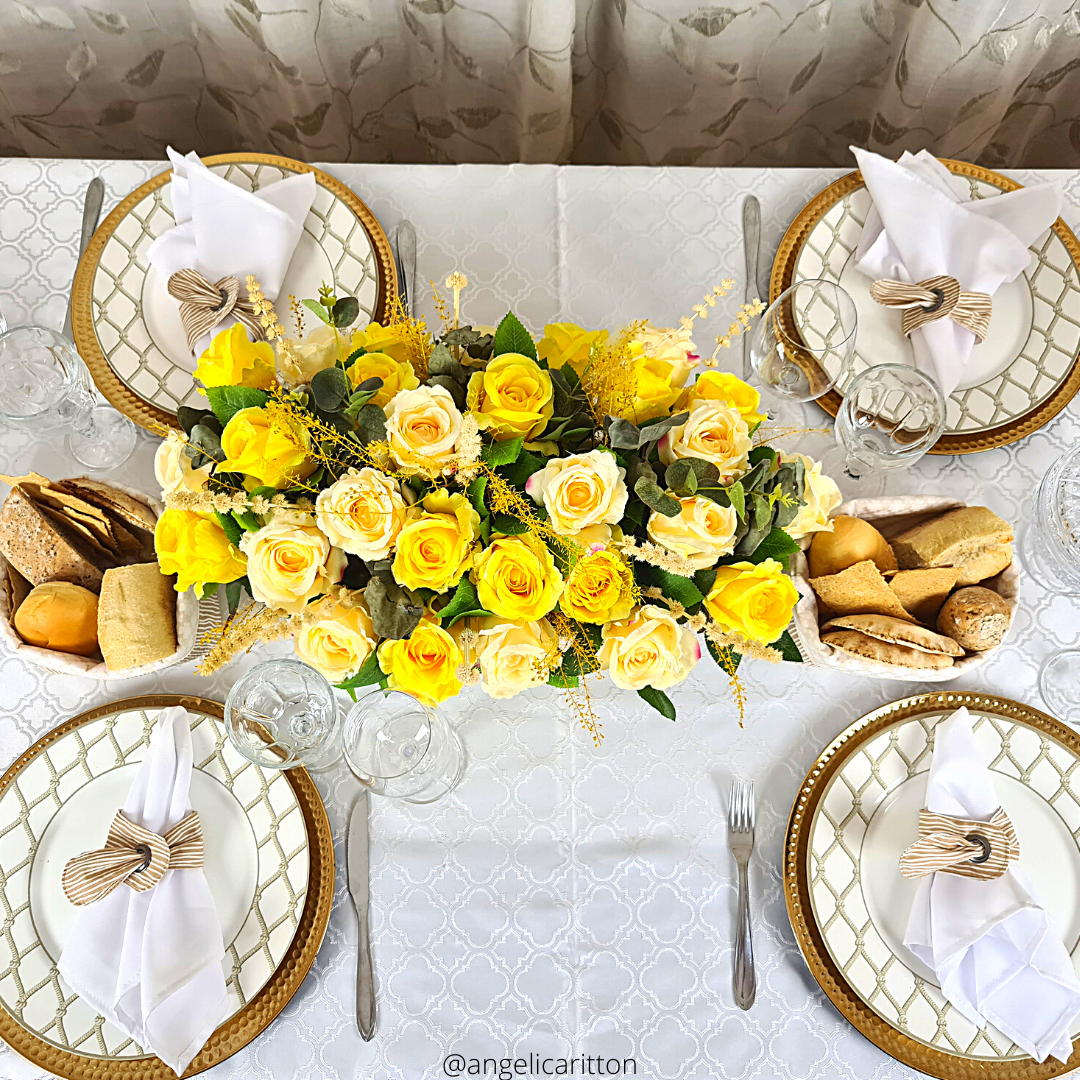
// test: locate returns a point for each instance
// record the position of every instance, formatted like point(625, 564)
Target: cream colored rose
point(515, 656)
point(674, 346)
point(289, 561)
point(173, 470)
point(580, 490)
point(339, 642)
point(422, 427)
point(821, 496)
point(714, 431)
point(648, 649)
point(298, 361)
point(362, 513)
point(702, 532)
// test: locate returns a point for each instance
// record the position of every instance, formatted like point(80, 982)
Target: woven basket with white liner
point(187, 626)
point(890, 515)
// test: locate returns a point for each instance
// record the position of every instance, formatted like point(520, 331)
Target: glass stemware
point(45, 387)
point(805, 342)
point(400, 748)
point(1050, 541)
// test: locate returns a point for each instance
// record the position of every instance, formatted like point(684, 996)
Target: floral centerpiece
point(426, 512)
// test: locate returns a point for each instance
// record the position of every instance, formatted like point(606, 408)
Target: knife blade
point(358, 861)
point(405, 243)
point(751, 226)
point(95, 196)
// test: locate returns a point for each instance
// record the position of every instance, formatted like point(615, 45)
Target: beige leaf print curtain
point(644, 82)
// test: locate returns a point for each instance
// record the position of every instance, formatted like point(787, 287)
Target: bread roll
point(136, 616)
point(852, 540)
point(60, 616)
point(975, 618)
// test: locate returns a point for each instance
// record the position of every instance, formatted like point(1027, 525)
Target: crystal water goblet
point(1050, 539)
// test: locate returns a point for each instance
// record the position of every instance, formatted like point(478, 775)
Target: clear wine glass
point(399, 748)
point(282, 713)
point(1050, 540)
point(805, 342)
point(45, 387)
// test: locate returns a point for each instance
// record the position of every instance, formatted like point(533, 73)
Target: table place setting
point(514, 607)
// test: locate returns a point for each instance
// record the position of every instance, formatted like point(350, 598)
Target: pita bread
point(108, 498)
point(858, 590)
point(898, 632)
point(922, 592)
point(16, 589)
point(884, 652)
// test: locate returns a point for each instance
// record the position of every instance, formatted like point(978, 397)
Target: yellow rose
point(568, 343)
point(275, 452)
point(714, 431)
point(362, 513)
point(753, 600)
point(661, 366)
point(580, 490)
point(424, 664)
point(648, 649)
point(173, 470)
point(701, 532)
point(512, 396)
point(384, 339)
point(515, 656)
point(195, 548)
point(234, 360)
point(516, 578)
point(298, 361)
point(290, 562)
point(436, 545)
point(395, 374)
point(598, 588)
point(723, 386)
point(337, 643)
point(422, 428)
point(821, 496)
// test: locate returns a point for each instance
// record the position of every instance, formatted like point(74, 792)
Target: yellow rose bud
point(384, 339)
point(515, 656)
point(723, 386)
point(516, 578)
point(234, 360)
point(275, 452)
point(753, 600)
point(422, 427)
point(424, 664)
point(436, 545)
point(821, 497)
point(362, 513)
point(512, 396)
point(195, 548)
point(661, 366)
point(599, 588)
point(701, 532)
point(714, 431)
point(337, 643)
point(580, 490)
point(648, 649)
point(395, 374)
point(568, 343)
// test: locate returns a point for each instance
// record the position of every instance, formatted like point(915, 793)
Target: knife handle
point(365, 981)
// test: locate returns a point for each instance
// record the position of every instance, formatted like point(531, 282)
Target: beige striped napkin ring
point(935, 298)
point(133, 856)
point(975, 849)
point(204, 304)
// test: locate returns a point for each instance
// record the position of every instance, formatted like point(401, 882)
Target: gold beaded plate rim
point(1019, 427)
point(84, 329)
point(800, 906)
point(267, 1004)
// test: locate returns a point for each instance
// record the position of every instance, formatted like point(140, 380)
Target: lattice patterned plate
point(126, 326)
point(267, 849)
point(848, 903)
point(1025, 371)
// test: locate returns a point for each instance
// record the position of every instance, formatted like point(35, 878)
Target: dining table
point(568, 900)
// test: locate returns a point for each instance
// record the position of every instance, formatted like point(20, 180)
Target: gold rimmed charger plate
point(104, 758)
point(1040, 380)
point(128, 331)
point(843, 887)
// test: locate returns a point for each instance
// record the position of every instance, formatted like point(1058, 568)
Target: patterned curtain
point(670, 82)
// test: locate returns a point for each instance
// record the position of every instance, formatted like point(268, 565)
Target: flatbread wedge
point(897, 632)
point(884, 652)
point(858, 590)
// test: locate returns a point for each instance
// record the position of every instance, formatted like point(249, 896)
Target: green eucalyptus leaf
point(346, 310)
point(330, 388)
point(463, 336)
point(652, 495)
point(441, 361)
point(394, 612)
point(623, 435)
point(189, 417)
point(370, 424)
point(450, 384)
point(736, 494)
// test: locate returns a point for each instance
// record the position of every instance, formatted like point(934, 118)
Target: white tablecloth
point(566, 900)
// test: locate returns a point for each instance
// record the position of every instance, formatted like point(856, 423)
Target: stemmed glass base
point(105, 442)
point(1059, 685)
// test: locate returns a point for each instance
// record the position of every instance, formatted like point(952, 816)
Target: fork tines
point(741, 807)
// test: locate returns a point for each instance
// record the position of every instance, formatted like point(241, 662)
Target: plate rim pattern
point(278, 991)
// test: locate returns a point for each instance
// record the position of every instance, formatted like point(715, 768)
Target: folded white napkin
point(922, 224)
point(997, 957)
point(224, 231)
point(150, 962)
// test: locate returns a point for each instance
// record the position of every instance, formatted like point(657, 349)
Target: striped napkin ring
point(935, 298)
point(203, 305)
point(975, 849)
point(133, 856)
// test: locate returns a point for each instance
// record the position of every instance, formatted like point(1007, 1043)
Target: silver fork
point(741, 835)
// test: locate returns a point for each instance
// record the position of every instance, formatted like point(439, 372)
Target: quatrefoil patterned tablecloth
point(566, 899)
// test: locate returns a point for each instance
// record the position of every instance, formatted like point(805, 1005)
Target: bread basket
point(890, 515)
point(187, 627)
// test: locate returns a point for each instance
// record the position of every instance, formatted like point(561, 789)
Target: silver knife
point(751, 228)
point(356, 841)
point(95, 196)
point(405, 244)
